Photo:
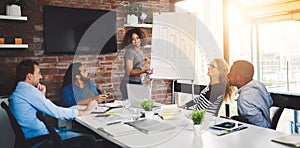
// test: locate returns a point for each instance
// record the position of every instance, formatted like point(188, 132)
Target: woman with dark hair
point(134, 61)
point(78, 88)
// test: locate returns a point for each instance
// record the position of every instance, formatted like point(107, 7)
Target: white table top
point(183, 136)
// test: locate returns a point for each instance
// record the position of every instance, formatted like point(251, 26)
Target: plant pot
point(13, 10)
point(149, 114)
point(132, 19)
point(198, 129)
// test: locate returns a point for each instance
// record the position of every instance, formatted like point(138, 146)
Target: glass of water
point(135, 114)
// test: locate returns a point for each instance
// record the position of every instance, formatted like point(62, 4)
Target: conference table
point(182, 135)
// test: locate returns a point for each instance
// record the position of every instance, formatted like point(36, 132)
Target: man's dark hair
point(244, 68)
point(23, 68)
point(71, 73)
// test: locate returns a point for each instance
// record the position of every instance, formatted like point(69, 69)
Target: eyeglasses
point(211, 66)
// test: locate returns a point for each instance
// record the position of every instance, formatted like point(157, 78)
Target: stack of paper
point(118, 129)
point(169, 111)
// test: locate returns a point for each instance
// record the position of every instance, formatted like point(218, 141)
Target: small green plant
point(198, 116)
point(147, 105)
point(136, 10)
point(17, 2)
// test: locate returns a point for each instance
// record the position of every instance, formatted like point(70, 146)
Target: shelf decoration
point(133, 13)
point(13, 7)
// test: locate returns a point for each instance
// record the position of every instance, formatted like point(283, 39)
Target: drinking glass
point(135, 114)
point(143, 17)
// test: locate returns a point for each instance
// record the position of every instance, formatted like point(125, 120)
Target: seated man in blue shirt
point(29, 97)
point(78, 89)
point(254, 101)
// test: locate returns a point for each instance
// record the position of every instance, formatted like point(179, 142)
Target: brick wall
point(105, 70)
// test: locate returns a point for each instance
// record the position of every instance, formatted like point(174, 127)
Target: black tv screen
point(78, 30)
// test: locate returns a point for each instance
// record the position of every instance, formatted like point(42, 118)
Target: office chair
point(283, 101)
point(20, 140)
point(56, 141)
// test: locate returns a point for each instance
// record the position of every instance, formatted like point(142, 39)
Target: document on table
point(149, 126)
point(99, 109)
point(291, 140)
point(118, 129)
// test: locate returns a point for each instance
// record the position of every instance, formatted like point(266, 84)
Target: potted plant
point(147, 105)
point(197, 117)
point(13, 7)
point(133, 13)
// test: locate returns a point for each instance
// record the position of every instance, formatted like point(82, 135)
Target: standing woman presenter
point(135, 64)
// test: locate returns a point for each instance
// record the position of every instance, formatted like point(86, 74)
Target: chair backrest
point(57, 142)
point(20, 138)
point(283, 101)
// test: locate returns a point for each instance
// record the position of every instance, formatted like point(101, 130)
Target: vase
point(198, 129)
point(13, 10)
point(149, 114)
point(132, 19)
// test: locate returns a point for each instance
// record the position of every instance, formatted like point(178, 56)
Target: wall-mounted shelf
point(13, 45)
point(138, 25)
point(19, 18)
point(147, 46)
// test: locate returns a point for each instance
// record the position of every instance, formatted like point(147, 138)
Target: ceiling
point(262, 11)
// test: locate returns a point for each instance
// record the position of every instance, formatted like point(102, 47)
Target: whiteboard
point(182, 46)
point(173, 46)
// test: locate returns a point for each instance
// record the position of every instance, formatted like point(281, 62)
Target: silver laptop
point(137, 93)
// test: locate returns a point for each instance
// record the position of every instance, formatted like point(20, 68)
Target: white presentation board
point(173, 46)
point(182, 46)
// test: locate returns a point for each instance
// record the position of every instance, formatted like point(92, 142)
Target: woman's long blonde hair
point(223, 68)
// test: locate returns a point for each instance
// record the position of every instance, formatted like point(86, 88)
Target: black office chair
point(283, 101)
point(20, 140)
point(56, 141)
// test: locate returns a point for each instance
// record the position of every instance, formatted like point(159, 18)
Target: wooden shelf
point(13, 45)
point(19, 18)
point(138, 25)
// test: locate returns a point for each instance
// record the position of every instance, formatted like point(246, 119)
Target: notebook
point(137, 93)
point(291, 140)
point(149, 126)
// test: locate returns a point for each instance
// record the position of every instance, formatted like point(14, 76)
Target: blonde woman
point(216, 92)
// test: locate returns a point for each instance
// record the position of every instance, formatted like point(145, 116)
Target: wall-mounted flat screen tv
point(77, 30)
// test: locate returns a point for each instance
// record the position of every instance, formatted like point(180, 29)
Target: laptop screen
point(137, 93)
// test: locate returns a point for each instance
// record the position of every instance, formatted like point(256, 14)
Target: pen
point(112, 123)
point(159, 116)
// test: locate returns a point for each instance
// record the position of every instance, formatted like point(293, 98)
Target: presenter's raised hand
point(146, 60)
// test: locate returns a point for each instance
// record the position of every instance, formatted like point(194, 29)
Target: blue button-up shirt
point(71, 94)
point(254, 102)
point(26, 100)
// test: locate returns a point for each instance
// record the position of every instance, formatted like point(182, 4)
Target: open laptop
point(137, 93)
